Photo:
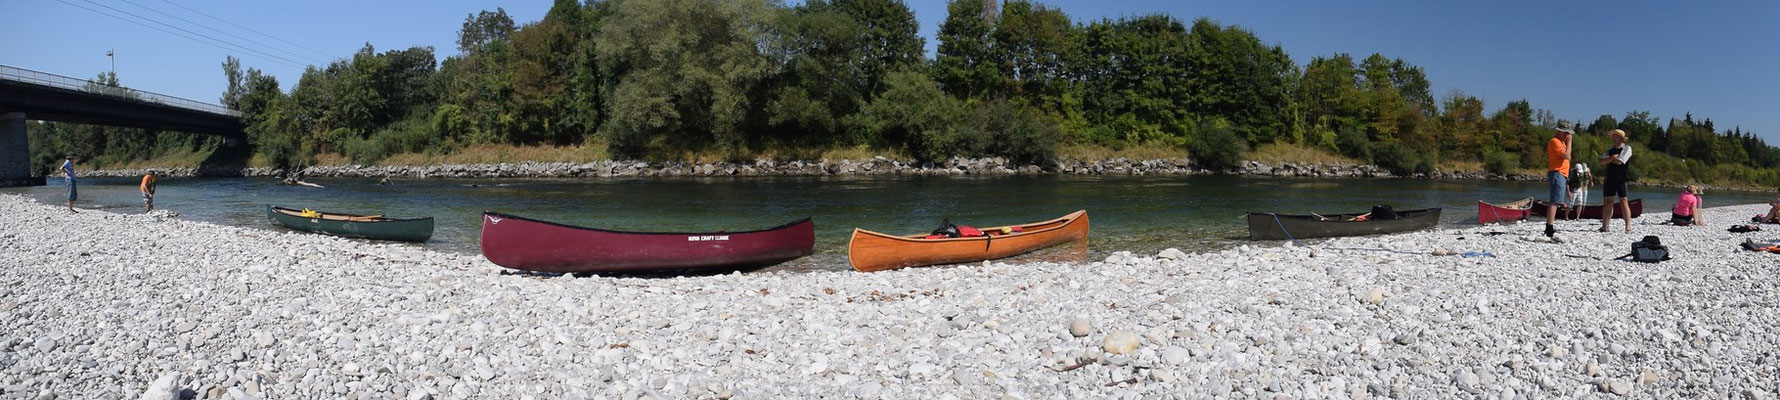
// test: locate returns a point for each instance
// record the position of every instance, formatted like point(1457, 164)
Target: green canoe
point(353, 226)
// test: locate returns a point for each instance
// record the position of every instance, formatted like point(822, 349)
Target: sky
point(1579, 59)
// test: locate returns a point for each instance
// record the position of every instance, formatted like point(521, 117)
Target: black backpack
point(1649, 250)
point(946, 229)
point(1383, 213)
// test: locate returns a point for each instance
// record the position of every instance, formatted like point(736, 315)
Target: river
point(1142, 214)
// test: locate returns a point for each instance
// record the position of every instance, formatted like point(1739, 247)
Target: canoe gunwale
point(1272, 226)
point(1059, 222)
point(1401, 215)
point(1525, 204)
point(297, 214)
point(584, 228)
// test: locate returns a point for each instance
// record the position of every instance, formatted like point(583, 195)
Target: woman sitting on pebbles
point(1687, 208)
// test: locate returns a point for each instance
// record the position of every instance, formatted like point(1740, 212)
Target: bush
point(1008, 129)
point(912, 113)
point(1352, 142)
point(1218, 147)
point(1400, 159)
point(1501, 162)
point(406, 136)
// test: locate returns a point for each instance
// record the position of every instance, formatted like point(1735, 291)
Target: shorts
point(1613, 189)
point(1579, 196)
point(1557, 187)
point(1681, 220)
point(73, 192)
point(148, 198)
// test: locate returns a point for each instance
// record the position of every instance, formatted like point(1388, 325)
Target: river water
point(1142, 214)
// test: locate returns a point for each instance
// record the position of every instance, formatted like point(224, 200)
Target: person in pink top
point(1687, 208)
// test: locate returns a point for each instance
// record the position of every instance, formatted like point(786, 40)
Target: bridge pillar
point(15, 152)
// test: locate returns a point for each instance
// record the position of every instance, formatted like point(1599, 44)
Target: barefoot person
point(1557, 159)
point(1687, 208)
point(68, 176)
point(1580, 179)
point(148, 192)
point(1613, 190)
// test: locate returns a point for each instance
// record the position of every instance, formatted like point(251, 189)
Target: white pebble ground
point(104, 305)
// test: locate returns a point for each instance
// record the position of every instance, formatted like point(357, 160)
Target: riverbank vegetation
point(699, 79)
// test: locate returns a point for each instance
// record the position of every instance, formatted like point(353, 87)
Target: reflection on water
point(1142, 214)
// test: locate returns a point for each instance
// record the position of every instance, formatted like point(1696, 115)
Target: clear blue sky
point(1578, 59)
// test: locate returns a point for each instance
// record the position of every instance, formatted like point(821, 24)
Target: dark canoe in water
point(353, 225)
point(533, 245)
point(1271, 226)
point(1588, 212)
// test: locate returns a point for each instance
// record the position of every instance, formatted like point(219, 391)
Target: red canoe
point(533, 245)
point(1588, 212)
point(1510, 211)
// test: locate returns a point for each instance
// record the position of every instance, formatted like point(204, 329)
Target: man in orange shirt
point(148, 192)
point(1557, 160)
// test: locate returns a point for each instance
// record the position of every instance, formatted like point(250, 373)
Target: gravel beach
point(103, 305)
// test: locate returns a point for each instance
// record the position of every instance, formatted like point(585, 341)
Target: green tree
point(964, 65)
point(1237, 78)
point(684, 71)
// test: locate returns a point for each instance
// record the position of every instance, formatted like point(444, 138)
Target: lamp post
point(110, 54)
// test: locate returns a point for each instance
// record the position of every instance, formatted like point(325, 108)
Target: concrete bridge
point(34, 95)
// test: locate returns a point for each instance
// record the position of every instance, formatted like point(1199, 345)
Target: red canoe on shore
point(533, 245)
point(1588, 212)
point(1510, 211)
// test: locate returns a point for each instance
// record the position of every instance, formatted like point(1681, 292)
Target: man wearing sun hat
point(1557, 159)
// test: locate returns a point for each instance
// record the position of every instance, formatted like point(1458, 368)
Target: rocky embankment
point(874, 166)
point(105, 305)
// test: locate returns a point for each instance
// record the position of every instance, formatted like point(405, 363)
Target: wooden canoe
point(534, 245)
point(1510, 211)
point(1271, 226)
point(1588, 212)
point(872, 251)
point(353, 225)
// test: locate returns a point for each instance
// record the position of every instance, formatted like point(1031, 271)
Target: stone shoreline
point(107, 305)
point(878, 166)
point(875, 166)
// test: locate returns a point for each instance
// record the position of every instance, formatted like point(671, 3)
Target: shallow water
point(1142, 214)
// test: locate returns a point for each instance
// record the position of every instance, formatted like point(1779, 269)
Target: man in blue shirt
point(68, 175)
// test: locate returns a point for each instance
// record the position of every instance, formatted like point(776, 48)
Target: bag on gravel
point(1649, 250)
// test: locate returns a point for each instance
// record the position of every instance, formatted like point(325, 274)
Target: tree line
point(662, 79)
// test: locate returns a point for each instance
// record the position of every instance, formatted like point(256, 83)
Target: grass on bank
point(1087, 152)
point(1279, 153)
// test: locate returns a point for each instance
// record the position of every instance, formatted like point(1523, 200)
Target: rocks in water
point(1120, 342)
point(1080, 327)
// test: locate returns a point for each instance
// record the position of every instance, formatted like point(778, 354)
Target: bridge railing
point(17, 74)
